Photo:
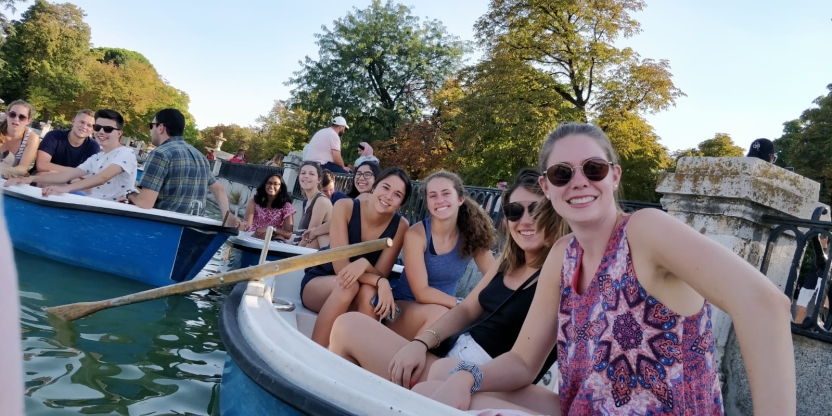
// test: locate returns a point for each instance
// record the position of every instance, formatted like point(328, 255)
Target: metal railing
point(817, 323)
point(248, 175)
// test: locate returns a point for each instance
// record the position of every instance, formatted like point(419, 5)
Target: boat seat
point(288, 288)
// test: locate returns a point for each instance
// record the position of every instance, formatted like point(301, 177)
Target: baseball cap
point(340, 121)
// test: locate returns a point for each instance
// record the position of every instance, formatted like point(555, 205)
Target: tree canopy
point(375, 67)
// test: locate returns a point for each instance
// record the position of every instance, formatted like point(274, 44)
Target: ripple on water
point(152, 358)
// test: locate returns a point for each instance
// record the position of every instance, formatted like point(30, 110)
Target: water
point(162, 357)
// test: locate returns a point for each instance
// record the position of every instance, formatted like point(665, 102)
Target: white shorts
point(806, 295)
point(466, 349)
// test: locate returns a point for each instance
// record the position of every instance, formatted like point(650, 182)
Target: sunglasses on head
point(595, 169)
point(19, 116)
point(514, 211)
point(107, 129)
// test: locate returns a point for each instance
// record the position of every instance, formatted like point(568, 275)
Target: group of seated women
point(621, 301)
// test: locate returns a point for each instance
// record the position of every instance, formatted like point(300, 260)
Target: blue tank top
point(444, 270)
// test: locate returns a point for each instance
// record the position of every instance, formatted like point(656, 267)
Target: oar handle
point(79, 310)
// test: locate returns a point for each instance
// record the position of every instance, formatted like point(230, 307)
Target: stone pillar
point(291, 169)
point(725, 199)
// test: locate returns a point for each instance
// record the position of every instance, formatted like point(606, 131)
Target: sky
point(746, 66)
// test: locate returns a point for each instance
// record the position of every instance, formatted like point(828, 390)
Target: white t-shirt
point(119, 184)
point(322, 144)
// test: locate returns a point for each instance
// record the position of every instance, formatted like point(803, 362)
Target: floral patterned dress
point(264, 217)
point(622, 352)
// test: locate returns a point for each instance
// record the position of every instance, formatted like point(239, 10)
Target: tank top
point(20, 150)
point(622, 352)
point(444, 270)
point(354, 237)
point(307, 216)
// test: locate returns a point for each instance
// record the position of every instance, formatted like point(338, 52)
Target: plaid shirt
point(180, 174)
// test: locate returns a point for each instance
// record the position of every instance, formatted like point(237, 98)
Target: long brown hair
point(513, 256)
point(474, 225)
point(4, 125)
point(548, 220)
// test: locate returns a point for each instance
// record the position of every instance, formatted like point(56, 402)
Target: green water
point(162, 357)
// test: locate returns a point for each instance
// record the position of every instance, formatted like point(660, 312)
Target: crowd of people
point(622, 302)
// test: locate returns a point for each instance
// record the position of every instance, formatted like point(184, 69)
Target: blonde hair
point(475, 227)
point(512, 256)
point(548, 220)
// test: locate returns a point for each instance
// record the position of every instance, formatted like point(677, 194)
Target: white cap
point(340, 121)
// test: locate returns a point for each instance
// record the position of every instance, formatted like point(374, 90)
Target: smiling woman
point(334, 288)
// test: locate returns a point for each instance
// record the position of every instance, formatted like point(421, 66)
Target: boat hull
point(153, 247)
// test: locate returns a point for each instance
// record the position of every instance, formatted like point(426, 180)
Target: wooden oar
point(74, 311)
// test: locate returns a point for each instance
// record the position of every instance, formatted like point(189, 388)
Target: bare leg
point(364, 341)
point(533, 400)
point(330, 300)
point(416, 318)
point(362, 301)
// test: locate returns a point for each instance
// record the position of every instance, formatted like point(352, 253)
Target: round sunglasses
point(595, 169)
point(514, 211)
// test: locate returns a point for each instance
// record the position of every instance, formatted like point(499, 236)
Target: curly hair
point(261, 198)
point(475, 227)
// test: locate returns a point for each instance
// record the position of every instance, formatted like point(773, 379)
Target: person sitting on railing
point(318, 208)
point(437, 252)
point(762, 149)
point(485, 325)
point(18, 143)
point(360, 282)
point(365, 154)
point(270, 206)
point(109, 174)
point(240, 157)
point(328, 187)
point(363, 180)
point(325, 146)
point(627, 300)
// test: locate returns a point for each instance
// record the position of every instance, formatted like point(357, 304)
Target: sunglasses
point(151, 126)
point(595, 169)
point(107, 129)
point(365, 175)
point(19, 116)
point(514, 211)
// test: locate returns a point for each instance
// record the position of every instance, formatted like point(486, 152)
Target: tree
point(807, 143)
point(5, 24)
point(574, 43)
point(44, 55)
point(119, 56)
point(282, 129)
point(375, 68)
point(721, 145)
point(237, 137)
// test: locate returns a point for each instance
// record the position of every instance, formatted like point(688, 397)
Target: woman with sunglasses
point(437, 252)
point(365, 177)
point(318, 207)
point(484, 325)
point(18, 143)
point(271, 206)
point(627, 300)
point(334, 288)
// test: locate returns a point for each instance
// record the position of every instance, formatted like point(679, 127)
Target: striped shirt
point(180, 174)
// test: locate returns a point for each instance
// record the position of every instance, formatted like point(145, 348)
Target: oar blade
point(75, 311)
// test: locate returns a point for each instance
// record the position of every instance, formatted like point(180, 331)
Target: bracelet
point(474, 370)
point(422, 342)
point(435, 335)
point(378, 280)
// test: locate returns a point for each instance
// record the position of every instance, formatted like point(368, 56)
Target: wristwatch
point(474, 370)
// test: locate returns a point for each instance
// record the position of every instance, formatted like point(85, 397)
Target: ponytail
point(475, 227)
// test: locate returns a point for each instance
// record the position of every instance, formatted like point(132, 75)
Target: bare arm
point(44, 163)
point(388, 257)
point(485, 261)
point(220, 196)
point(49, 178)
point(99, 178)
point(337, 159)
point(249, 218)
point(760, 312)
point(144, 199)
point(415, 243)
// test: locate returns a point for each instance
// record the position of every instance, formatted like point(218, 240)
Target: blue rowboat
point(152, 246)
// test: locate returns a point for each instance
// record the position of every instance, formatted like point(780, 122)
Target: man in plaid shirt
point(176, 176)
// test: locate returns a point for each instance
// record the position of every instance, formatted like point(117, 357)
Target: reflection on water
point(154, 358)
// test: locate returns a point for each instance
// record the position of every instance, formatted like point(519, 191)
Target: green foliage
point(375, 67)
point(807, 142)
point(119, 56)
point(283, 130)
point(721, 145)
point(44, 56)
